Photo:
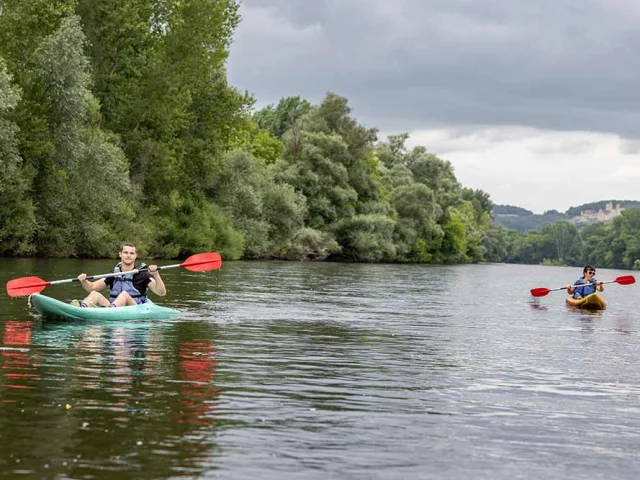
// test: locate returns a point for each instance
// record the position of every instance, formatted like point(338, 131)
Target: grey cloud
point(408, 64)
point(630, 147)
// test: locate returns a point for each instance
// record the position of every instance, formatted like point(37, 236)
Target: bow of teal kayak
point(50, 308)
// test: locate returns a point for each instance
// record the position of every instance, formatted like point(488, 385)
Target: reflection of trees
point(135, 398)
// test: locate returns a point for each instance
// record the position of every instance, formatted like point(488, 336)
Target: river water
point(282, 370)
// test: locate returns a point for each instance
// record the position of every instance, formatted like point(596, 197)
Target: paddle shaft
point(594, 284)
point(580, 285)
point(94, 277)
point(107, 275)
point(624, 280)
point(200, 262)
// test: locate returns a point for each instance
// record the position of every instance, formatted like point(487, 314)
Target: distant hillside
point(524, 220)
point(511, 210)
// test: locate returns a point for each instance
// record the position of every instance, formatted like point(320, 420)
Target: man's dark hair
point(584, 270)
point(128, 244)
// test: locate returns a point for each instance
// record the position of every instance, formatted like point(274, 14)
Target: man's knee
point(97, 299)
point(95, 294)
point(124, 298)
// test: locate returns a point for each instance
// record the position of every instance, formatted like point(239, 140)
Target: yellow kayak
point(590, 302)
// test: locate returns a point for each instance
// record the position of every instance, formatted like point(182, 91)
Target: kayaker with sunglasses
point(586, 284)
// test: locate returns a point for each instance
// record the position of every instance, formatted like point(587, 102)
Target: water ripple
point(289, 370)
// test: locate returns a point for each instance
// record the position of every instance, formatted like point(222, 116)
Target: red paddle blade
point(22, 287)
point(203, 262)
point(539, 292)
point(626, 280)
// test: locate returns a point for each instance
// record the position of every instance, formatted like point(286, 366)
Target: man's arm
point(156, 284)
point(91, 286)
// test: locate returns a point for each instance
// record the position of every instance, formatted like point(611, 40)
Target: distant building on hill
point(591, 216)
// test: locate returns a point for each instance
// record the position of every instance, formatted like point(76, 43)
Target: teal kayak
point(51, 308)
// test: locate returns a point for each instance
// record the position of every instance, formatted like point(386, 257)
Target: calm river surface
point(311, 371)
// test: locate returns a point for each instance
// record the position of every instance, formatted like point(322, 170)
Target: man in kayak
point(588, 284)
point(125, 289)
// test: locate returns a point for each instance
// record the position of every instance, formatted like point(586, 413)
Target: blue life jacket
point(127, 282)
point(584, 290)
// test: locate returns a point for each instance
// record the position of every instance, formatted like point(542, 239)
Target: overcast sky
point(536, 102)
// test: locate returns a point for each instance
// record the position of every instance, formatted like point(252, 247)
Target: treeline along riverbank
point(117, 122)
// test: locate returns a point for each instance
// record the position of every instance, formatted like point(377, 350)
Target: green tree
point(475, 226)
point(333, 117)
point(268, 214)
point(564, 243)
point(437, 174)
point(595, 241)
point(366, 238)
point(418, 236)
point(23, 25)
point(481, 201)
point(624, 243)
point(263, 145)
point(196, 226)
point(527, 248)
point(312, 244)
point(393, 151)
point(454, 243)
point(316, 169)
point(279, 119)
point(495, 243)
point(159, 69)
point(82, 163)
point(17, 220)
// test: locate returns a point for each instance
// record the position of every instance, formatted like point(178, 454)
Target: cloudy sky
point(536, 102)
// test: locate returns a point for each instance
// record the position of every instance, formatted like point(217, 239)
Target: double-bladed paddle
point(624, 280)
point(201, 262)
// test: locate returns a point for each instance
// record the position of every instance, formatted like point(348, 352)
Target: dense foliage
point(117, 123)
point(614, 245)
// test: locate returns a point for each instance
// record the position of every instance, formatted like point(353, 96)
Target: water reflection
point(625, 324)
point(18, 371)
point(197, 371)
point(536, 304)
point(295, 371)
point(110, 380)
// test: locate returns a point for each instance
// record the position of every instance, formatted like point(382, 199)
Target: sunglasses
point(592, 272)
